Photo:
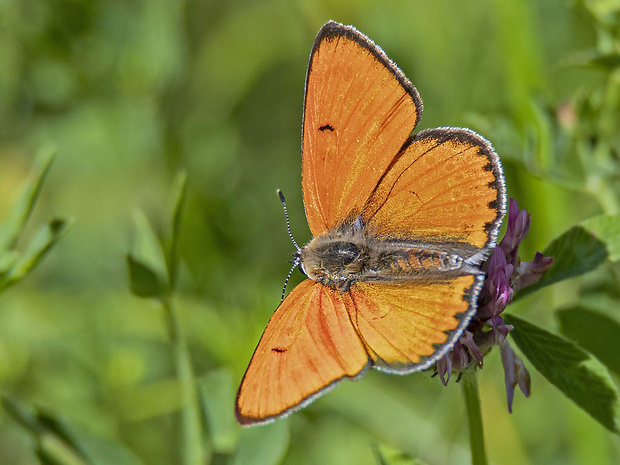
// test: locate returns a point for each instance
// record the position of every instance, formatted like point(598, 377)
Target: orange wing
point(446, 185)
point(359, 110)
point(308, 345)
point(407, 327)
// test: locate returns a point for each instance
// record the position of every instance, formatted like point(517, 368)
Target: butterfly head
point(337, 258)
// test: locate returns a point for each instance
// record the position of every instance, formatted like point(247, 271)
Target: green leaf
point(26, 418)
point(7, 261)
point(593, 59)
point(608, 62)
point(50, 451)
point(147, 248)
point(59, 430)
point(86, 445)
point(45, 458)
point(179, 193)
point(581, 377)
point(387, 455)
point(217, 392)
point(12, 228)
point(263, 445)
point(143, 281)
point(595, 332)
point(45, 238)
point(607, 229)
point(575, 252)
point(54, 444)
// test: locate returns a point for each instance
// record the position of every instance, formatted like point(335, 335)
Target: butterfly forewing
point(359, 110)
point(308, 345)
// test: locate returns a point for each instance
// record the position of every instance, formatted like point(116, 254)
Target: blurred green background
point(129, 92)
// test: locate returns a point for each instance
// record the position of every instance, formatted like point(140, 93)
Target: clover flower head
point(505, 274)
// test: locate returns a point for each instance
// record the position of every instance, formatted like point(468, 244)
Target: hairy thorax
point(347, 255)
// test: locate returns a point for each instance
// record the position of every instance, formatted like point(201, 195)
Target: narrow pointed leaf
point(575, 372)
point(54, 444)
point(178, 201)
point(79, 444)
point(50, 451)
point(12, 228)
point(7, 261)
point(607, 62)
point(26, 418)
point(147, 248)
point(59, 430)
point(575, 252)
point(47, 236)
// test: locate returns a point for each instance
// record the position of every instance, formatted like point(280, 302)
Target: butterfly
point(401, 223)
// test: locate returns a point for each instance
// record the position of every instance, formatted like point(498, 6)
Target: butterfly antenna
point(288, 276)
point(288, 225)
point(290, 235)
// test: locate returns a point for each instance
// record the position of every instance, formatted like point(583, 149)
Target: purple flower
point(505, 273)
point(467, 340)
point(514, 373)
point(529, 273)
point(444, 368)
point(518, 227)
point(496, 292)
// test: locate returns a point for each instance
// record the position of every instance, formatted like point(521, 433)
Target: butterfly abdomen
point(414, 260)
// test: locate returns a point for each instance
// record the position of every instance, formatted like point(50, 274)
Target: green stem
point(193, 451)
point(469, 384)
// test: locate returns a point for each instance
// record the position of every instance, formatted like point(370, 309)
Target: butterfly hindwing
point(445, 186)
point(407, 327)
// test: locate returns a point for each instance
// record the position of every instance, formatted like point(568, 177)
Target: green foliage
point(594, 331)
point(263, 446)
point(13, 227)
point(390, 456)
point(58, 443)
point(143, 280)
point(575, 252)
point(15, 265)
point(158, 262)
point(607, 229)
point(217, 390)
point(153, 265)
point(571, 369)
point(178, 203)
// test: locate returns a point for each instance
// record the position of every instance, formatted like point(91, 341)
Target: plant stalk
point(193, 450)
point(469, 385)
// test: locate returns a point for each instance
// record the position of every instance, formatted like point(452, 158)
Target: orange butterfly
point(400, 223)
